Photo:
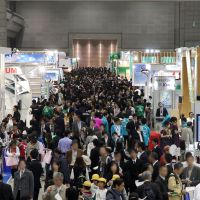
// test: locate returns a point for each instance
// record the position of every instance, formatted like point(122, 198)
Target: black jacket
point(165, 112)
point(36, 168)
point(162, 184)
point(158, 151)
point(144, 157)
point(5, 192)
point(140, 190)
point(155, 171)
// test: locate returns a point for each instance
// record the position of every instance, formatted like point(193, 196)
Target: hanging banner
point(164, 83)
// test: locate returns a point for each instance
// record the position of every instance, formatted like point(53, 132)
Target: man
point(77, 126)
point(161, 182)
point(187, 134)
point(65, 143)
point(148, 190)
point(156, 148)
point(133, 168)
point(117, 191)
point(5, 190)
point(16, 113)
point(74, 153)
point(23, 182)
point(145, 131)
point(132, 134)
point(59, 123)
point(191, 173)
point(56, 191)
point(168, 162)
point(191, 118)
point(161, 111)
point(153, 158)
point(142, 155)
point(175, 184)
point(36, 168)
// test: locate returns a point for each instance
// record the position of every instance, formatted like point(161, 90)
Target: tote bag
point(11, 161)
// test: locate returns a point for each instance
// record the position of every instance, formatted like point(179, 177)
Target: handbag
point(47, 157)
point(11, 161)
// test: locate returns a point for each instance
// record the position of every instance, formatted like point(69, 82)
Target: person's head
point(67, 133)
point(148, 167)
point(189, 124)
point(133, 154)
point(101, 183)
point(118, 184)
point(189, 159)
point(178, 168)
point(191, 114)
point(117, 121)
point(95, 178)
point(155, 141)
point(153, 157)
point(58, 179)
point(34, 154)
point(56, 166)
point(117, 156)
point(114, 168)
point(146, 176)
point(166, 149)
point(22, 165)
point(168, 158)
point(163, 171)
point(77, 116)
point(141, 146)
point(12, 144)
point(103, 151)
point(86, 186)
point(95, 142)
point(75, 145)
point(15, 108)
point(160, 105)
point(92, 123)
point(144, 121)
point(79, 162)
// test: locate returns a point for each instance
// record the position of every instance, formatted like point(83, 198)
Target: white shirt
point(21, 172)
point(155, 162)
point(74, 155)
point(101, 194)
point(140, 153)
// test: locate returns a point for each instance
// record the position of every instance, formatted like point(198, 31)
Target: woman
point(13, 152)
point(166, 136)
point(49, 176)
point(113, 169)
point(175, 132)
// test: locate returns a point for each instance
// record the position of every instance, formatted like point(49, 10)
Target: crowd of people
point(90, 140)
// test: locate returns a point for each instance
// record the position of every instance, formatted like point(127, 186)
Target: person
point(134, 167)
point(148, 190)
point(101, 191)
point(191, 173)
point(116, 192)
point(197, 192)
point(132, 134)
point(13, 152)
point(156, 148)
point(142, 155)
point(112, 169)
point(94, 155)
point(47, 111)
point(5, 190)
point(153, 158)
point(175, 184)
point(139, 109)
point(191, 118)
point(166, 136)
point(56, 191)
point(187, 134)
point(73, 153)
point(64, 143)
point(16, 113)
point(161, 111)
point(116, 127)
point(161, 182)
point(86, 191)
point(23, 182)
point(168, 162)
point(94, 185)
point(36, 168)
point(145, 131)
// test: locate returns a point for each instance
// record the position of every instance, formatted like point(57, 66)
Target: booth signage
point(11, 70)
point(164, 83)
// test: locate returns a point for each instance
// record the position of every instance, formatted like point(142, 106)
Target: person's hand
point(184, 181)
point(49, 189)
point(184, 191)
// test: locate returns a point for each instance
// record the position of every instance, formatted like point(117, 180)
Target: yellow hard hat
point(102, 180)
point(115, 176)
point(87, 184)
point(95, 177)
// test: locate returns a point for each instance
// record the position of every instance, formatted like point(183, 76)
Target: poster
point(164, 83)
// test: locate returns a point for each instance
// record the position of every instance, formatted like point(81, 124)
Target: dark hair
point(118, 182)
point(144, 120)
point(188, 155)
point(155, 140)
point(189, 124)
point(79, 162)
point(1, 177)
point(168, 157)
point(111, 164)
point(178, 165)
point(141, 145)
point(34, 154)
point(154, 155)
point(67, 132)
point(133, 150)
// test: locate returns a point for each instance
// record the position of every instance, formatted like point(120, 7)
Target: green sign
point(149, 59)
point(168, 60)
point(115, 56)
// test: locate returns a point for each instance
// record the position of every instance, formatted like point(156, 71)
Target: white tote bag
point(11, 161)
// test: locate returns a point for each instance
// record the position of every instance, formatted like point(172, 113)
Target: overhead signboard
point(164, 83)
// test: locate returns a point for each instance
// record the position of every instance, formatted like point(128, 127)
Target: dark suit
point(165, 112)
point(195, 175)
point(60, 125)
point(144, 157)
point(36, 168)
point(75, 129)
point(147, 184)
point(158, 151)
point(69, 155)
point(131, 173)
point(162, 184)
point(24, 184)
point(155, 171)
point(5, 192)
point(169, 169)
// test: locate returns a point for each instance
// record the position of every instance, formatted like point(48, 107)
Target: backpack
point(47, 112)
point(148, 193)
point(80, 180)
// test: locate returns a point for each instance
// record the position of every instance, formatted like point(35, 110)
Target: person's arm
point(173, 187)
point(31, 184)
point(46, 194)
point(10, 193)
point(17, 152)
point(109, 196)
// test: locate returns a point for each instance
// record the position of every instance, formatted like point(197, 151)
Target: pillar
point(198, 73)
point(3, 24)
